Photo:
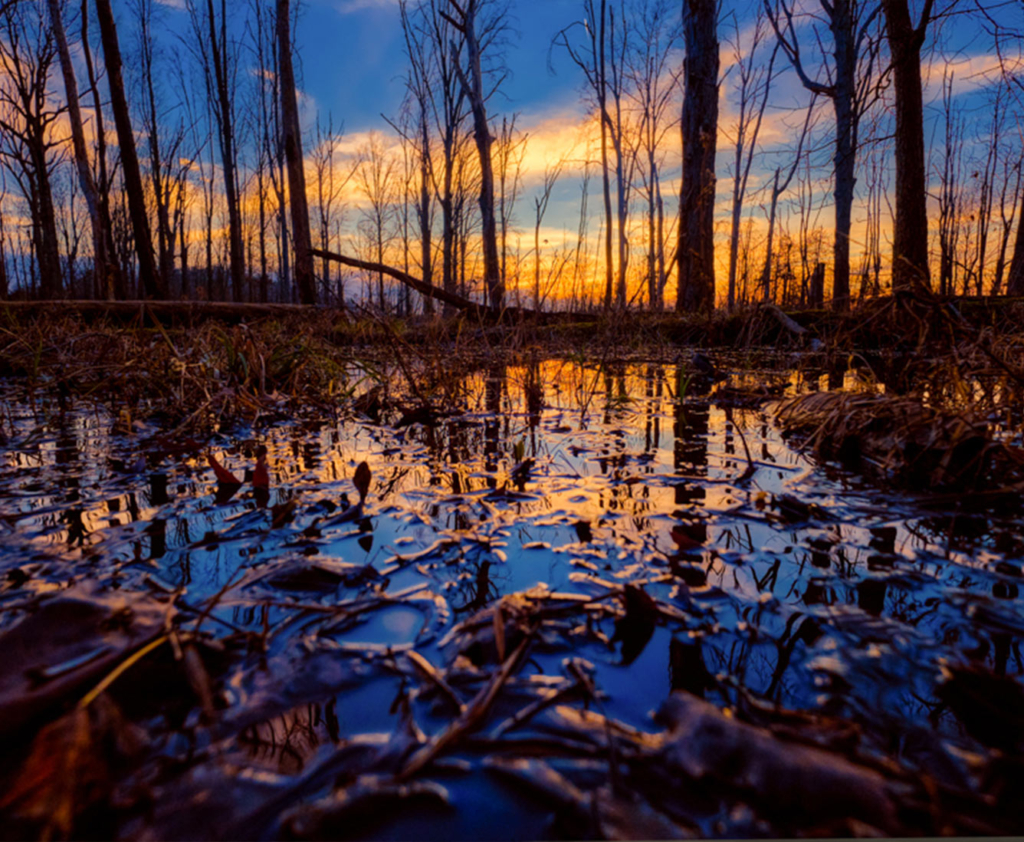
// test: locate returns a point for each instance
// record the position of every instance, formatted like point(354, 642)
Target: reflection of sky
point(612, 447)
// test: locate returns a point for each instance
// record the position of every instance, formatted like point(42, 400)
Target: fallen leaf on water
point(260, 474)
point(796, 783)
point(617, 814)
point(70, 767)
point(361, 480)
point(636, 628)
point(224, 476)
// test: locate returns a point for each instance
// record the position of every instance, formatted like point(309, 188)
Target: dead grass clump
point(902, 439)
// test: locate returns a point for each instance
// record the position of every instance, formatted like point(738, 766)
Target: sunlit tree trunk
point(474, 87)
point(700, 132)
point(293, 153)
point(910, 226)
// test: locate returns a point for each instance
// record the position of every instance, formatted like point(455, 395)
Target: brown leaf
point(69, 641)
point(499, 630)
point(361, 480)
point(224, 476)
point(797, 783)
point(70, 767)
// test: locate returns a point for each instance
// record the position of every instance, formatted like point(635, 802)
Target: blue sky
point(352, 58)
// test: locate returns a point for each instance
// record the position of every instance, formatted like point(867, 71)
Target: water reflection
point(568, 473)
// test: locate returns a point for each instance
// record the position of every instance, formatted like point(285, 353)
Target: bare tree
point(591, 57)
point(700, 133)
point(161, 168)
point(217, 56)
point(853, 85)
point(114, 277)
point(293, 153)
point(541, 201)
point(100, 237)
point(755, 81)
point(375, 176)
point(910, 226)
point(476, 37)
point(151, 280)
point(28, 140)
point(654, 86)
point(330, 184)
point(419, 93)
point(511, 150)
point(779, 187)
point(430, 42)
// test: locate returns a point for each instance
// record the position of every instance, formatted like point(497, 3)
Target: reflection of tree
point(290, 739)
point(494, 388)
point(654, 382)
point(691, 445)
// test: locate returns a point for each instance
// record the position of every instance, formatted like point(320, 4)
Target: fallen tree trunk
point(422, 287)
point(170, 310)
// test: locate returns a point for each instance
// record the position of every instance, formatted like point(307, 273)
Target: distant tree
point(217, 56)
point(755, 81)
point(653, 87)
point(853, 85)
point(29, 142)
point(591, 56)
point(376, 176)
point(779, 186)
point(163, 152)
point(100, 236)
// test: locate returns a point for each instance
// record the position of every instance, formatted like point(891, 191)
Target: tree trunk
point(700, 127)
point(846, 147)
point(602, 101)
point(219, 54)
point(114, 280)
point(766, 273)
point(474, 87)
point(426, 257)
point(293, 153)
point(151, 282)
point(1015, 278)
point(99, 240)
point(910, 228)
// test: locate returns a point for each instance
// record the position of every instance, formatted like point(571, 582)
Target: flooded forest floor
point(319, 577)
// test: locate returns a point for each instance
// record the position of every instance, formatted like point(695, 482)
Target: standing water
point(582, 600)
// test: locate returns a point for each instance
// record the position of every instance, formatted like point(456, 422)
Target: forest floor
point(300, 574)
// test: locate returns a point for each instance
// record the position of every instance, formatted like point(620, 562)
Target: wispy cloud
point(347, 7)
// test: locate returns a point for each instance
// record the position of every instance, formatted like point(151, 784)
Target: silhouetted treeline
point(796, 151)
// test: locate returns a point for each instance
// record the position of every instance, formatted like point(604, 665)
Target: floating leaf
point(361, 480)
point(260, 474)
point(224, 476)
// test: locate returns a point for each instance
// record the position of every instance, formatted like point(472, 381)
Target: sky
point(351, 62)
point(352, 59)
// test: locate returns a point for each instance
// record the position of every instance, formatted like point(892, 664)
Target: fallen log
point(182, 311)
point(420, 286)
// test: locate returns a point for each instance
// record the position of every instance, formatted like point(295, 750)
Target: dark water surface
point(779, 584)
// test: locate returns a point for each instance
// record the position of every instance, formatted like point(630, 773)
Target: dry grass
point(903, 439)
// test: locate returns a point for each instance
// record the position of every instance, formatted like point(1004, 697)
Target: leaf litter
point(570, 601)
